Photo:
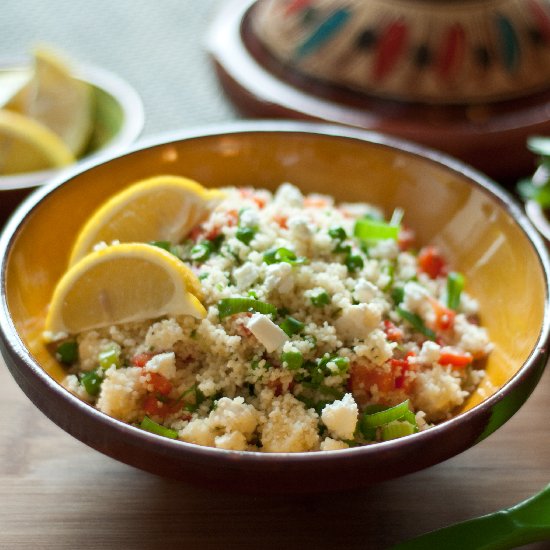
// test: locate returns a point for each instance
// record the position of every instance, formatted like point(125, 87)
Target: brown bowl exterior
point(479, 228)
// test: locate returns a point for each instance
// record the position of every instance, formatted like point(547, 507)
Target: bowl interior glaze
point(477, 231)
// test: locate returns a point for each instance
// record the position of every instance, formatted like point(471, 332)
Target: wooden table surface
point(56, 493)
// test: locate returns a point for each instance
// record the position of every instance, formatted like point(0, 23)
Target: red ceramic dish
point(480, 229)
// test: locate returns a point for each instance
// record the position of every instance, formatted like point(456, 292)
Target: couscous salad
point(309, 326)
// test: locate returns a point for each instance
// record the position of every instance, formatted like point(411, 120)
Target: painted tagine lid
point(427, 51)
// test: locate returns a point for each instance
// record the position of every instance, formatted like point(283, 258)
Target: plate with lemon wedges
point(55, 112)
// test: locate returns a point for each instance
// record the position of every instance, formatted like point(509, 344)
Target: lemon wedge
point(162, 208)
point(119, 284)
point(27, 145)
point(56, 99)
point(12, 81)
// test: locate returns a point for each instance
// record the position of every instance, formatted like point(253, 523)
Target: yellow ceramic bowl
point(478, 227)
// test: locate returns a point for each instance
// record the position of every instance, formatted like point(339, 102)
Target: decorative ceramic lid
point(432, 51)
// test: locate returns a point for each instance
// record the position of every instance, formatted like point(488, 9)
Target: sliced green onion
point(308, 403)
point(317, 375)
point(255, 364)
point(201, 252)
point(531, 191)
point(389, 270)
point(92, 382)
point(216, 242)
point(67, 352)
point(410, 417)
point(252, 294)
point(279, 255)
point(165, 245)
point(539, 145)
point(245, 234)
point(293, 359)
point(203, 276)
point(342, 248)
point(377, 407)
point(455, 285)
point(396, 429)
point(320, 405)
point(342, 363)
point(396, 217)
point(231, 306)
point(200, 398)
point(292, 326)
point(310, 339)
point(337, 233)
point(373, 215)
point(151, 426)
point(380, 418)
point(397, 294)
point(373, 230)
point(320, 299)
point(354, 262)
point(333, 392)
point(416, 322)
point(368, 433)
point(110, 357)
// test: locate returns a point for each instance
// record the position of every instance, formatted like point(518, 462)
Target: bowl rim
point(14, 343)
point(133, 120)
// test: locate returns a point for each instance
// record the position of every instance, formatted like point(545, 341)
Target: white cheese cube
point(163, 363)
point(340, 417)
point(267, 332)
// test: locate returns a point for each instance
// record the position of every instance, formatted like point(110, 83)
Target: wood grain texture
point(56, 493)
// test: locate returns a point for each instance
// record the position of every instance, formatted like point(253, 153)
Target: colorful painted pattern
point(386, 40)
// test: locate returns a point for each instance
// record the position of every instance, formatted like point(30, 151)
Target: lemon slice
point(119, 284)
point(56, 99)
point(162, 208)
point(27, 145)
